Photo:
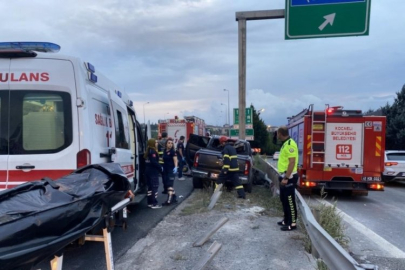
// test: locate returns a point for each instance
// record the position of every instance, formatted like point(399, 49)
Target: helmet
point(223, 139)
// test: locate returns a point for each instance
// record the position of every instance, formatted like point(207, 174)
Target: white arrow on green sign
point(326, 18)
point(248, 116)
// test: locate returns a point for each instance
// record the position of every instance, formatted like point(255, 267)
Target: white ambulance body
point(57, 114)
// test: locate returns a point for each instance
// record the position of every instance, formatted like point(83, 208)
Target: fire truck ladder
point(318, 145)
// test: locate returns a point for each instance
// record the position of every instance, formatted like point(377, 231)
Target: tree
point(262, 138)
point(395, 134)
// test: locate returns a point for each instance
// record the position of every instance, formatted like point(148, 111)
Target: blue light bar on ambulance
point(90, 67)
point(92, 77)
point(30, 46)
point(118, 93)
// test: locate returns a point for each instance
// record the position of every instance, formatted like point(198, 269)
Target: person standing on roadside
point(161, 148)
point(152, 170)
point(180, 156)
point(287, 168)
point(170, 170)
point(230, 169)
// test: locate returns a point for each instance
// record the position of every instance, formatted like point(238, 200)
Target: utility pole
point(241, 18)
point(227, 111)
point(144, 122)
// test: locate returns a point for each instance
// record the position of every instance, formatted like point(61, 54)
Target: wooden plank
point(215, 196)
point(211, 253)
point(207, 236)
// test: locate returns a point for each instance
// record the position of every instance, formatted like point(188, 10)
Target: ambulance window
point(121, 132)
point(41, 122)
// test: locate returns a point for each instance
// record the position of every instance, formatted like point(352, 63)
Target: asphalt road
point(140, 221)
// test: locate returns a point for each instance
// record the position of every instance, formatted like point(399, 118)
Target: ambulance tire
point(198, 183)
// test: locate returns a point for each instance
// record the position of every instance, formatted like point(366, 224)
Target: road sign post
point(326, 18)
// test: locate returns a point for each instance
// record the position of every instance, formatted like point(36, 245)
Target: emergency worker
point(180, 157)
point(230, 168)
point(170, 170)
point(287, 167)
point(152, 170)
point(161, 147)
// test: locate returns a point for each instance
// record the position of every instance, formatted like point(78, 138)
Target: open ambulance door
point(124, 141)
point(141, 148)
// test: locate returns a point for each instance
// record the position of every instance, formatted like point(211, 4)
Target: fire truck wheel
point(197, 183)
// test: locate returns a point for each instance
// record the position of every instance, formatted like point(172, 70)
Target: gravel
point(250, 240)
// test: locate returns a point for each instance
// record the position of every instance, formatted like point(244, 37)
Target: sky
point(180, 55)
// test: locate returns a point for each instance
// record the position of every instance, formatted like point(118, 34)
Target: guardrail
point(334, 256)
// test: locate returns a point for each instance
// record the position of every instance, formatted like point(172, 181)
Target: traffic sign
point(326, 18)
point(249, 134)
point(248, 116)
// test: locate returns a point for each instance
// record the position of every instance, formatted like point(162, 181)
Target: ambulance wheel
point(197, 183)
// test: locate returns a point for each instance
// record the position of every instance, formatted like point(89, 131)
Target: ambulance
point(58, 113)
point(339, 150)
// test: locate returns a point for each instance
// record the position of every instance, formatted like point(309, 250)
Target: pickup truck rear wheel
point(197, 183)
point(248, 187)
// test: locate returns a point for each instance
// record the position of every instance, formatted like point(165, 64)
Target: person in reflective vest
point(152, 170)
point(230, 168)
point(287, 168)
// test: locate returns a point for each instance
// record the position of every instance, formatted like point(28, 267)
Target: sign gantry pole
point(241, 18)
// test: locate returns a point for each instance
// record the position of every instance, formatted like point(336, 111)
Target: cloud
point(179, 55)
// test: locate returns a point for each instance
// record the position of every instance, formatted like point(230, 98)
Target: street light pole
point(144, 112)
point(229, 122)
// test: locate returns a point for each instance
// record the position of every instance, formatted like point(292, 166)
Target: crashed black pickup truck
point(203, 155)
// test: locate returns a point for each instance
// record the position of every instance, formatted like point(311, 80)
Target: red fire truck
point(182, 127)
point(339, 149)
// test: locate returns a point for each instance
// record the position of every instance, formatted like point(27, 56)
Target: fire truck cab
point(339, 149)
point(58, 114)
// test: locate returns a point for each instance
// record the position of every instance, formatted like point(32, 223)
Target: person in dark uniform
point(170, 170)
point(152, 171)
point(161, 148)
point(180, 157)
point(230, 168)
point(287, 168)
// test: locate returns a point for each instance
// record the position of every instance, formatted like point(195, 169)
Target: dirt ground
point(251, 239)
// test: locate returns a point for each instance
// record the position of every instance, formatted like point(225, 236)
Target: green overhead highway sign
point(248, 116)
point(249, 134)
point(326, 18)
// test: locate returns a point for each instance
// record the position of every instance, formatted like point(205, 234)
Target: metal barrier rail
point(334, 256)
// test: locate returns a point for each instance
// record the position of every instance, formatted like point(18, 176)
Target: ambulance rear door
point(121, 136)
point(4, 107)
point(41, 142)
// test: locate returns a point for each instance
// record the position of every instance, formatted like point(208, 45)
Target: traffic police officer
point(287, 168)
point(230, 169)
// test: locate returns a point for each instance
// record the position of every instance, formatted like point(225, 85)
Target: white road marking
point(381, 242)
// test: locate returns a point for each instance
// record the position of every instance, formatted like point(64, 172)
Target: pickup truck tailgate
point(210, 161)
